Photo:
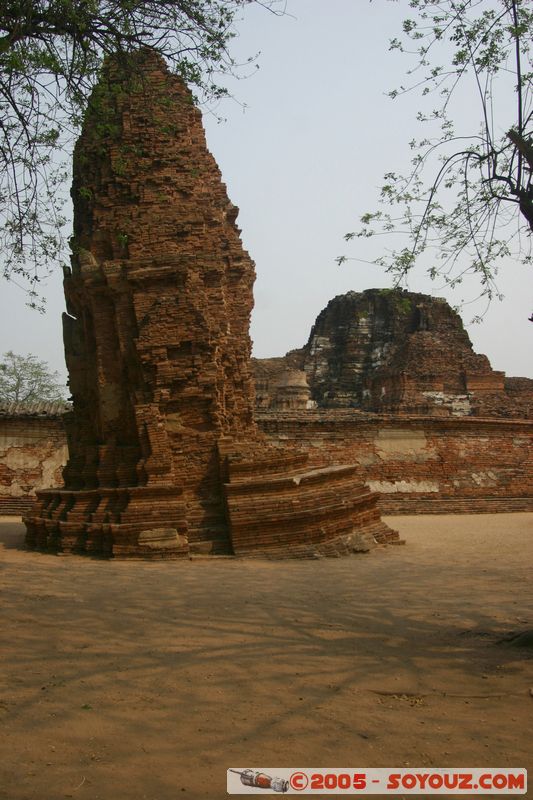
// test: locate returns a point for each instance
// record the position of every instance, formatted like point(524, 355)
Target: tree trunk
point(525, 196)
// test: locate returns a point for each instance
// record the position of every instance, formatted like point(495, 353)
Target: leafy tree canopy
point(50, 55)
point(25, 380)
point(468, 197)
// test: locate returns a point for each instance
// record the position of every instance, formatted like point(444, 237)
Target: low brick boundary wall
point(430, 465)
point(33, 450)
point(419, 464)
point(389, 504)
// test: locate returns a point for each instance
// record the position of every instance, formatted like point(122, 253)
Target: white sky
point(303, 161)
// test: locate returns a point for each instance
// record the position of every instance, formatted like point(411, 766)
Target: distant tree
point(468, 196)
point(50, 56)
point(24, 379)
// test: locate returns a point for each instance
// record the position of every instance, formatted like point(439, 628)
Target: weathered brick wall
point(33, 451)
point(420, 464)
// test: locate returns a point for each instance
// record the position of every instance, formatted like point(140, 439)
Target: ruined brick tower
point(165, 458)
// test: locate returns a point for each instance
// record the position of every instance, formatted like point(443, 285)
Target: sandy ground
point(143, 680)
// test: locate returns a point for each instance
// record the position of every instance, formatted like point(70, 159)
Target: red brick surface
point(419, 464)
point(31, 457)
point(157, 344)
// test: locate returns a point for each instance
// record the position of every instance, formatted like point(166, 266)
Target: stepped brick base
point(138, 521)
point(300, 513)
point(276, 508)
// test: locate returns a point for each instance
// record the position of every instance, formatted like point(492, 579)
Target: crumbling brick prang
point(158, 351)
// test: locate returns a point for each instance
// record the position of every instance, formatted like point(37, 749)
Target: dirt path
point(134, 681)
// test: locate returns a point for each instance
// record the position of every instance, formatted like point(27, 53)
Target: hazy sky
point(303, 160)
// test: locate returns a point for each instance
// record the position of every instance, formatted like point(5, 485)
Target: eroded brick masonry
point(165, 458)
point(390, 351)
point(33, 451)
point(419, 464)
point(389, 380)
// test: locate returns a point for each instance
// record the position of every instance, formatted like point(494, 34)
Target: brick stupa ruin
point(165, 459)
point(390, 351)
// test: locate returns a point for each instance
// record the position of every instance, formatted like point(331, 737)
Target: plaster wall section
point(33, 452)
